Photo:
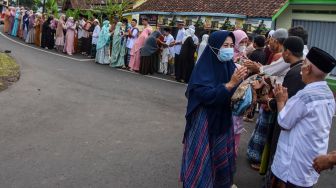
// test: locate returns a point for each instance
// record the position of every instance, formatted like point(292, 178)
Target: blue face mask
point(225, 54)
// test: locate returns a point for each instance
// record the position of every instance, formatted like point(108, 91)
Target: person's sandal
point(255, 167)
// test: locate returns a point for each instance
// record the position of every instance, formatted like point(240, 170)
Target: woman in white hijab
point(186, 35)
point(187, 55)
point(190, 32)
point(202, 46)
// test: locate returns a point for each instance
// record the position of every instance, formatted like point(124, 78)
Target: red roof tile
point(251, 8)
point(87, 4)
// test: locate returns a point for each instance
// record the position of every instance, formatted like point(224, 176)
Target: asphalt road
point(70, 123)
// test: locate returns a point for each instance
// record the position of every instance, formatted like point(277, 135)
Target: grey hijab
point(150, 46)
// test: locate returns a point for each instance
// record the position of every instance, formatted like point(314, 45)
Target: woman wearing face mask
point(208, 153)
point(240, 46)
point(239, 56)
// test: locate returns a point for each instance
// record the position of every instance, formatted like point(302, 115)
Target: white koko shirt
point(95, 34)
point(278, 68)
point(306, 120)
point(131, 40)
point(168, 40)
point(179, 38)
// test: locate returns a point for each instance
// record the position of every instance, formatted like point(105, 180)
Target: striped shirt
point(306, 121)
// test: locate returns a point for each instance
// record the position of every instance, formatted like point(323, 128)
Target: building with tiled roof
point(318, 16)
point(88, 4)
point(250, 8)
point(212, 14)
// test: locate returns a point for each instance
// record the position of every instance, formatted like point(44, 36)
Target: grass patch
point(332, 83)
point(9, 71)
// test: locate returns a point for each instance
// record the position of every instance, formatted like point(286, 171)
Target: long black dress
point(48, 35)
point(44, 34)
point(148, 64)
point(187, 59)
point(149, 55)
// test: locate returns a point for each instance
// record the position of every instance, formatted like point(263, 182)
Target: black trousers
point(81, 44)
point(88, 45)
point(93, 51)
point(127, 56)
point(178, 71)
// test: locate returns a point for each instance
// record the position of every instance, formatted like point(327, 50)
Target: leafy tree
point(73, 13)
point(51, 7)
point(113, 8)
point(199, 22)
point(227, 25)
point(32, 4)
point(88, 14)
point(173, 22)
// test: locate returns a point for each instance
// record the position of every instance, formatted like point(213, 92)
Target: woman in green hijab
point(118, 48)
point(103, 44)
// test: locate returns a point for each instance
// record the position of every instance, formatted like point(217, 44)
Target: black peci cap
point(321, 59)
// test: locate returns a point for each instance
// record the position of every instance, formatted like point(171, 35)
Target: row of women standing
point(119, 44)
point(40, 29)
point(24, 24)
point(143, 52)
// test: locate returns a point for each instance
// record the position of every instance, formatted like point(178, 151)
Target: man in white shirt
point(95, 36)
point(177, 49)
point(305, 120)
point(166, 64)
point(133, 34)
point(81, 31)
point(278, 68)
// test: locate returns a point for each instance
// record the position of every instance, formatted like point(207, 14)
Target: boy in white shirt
point(167, 62)
point(132, 36)
point(95, 36)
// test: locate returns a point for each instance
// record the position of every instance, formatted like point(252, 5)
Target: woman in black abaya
point(187, 56)
point(149, 55)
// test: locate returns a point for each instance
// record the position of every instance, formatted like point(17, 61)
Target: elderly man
point(293, 55)
point(278, 67)
point(305, 120)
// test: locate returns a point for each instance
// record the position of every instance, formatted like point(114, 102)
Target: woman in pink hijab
point(135, 52)
point(70, 36)
point(240, 45)
point(239, 55)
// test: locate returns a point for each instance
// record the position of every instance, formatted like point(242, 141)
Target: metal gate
point(320, 34)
